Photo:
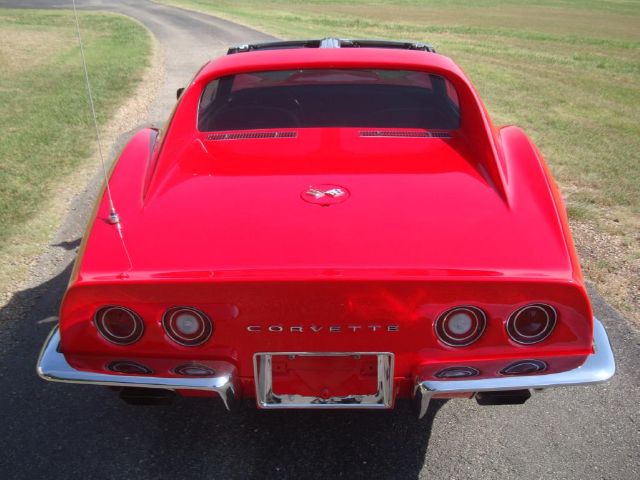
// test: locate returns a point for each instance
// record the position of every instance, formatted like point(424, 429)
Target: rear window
point(329, 98)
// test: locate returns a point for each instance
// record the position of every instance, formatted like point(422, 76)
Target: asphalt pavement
point(66, 431)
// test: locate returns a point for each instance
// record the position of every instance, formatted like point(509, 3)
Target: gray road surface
point(63, 431)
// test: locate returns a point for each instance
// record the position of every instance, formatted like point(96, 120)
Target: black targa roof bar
point(332, 43)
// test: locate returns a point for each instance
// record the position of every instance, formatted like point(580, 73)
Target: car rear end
point(331, 342)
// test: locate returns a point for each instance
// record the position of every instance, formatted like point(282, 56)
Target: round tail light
point(187, 326)
point(119, 325)
point(129, 367)
point(532, 323)
point(457, 372)
point(524, 367)
point(460, 326)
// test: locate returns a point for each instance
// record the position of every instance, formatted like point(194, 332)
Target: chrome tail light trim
point(53, 366)
point(600, 366)
point(266, 398)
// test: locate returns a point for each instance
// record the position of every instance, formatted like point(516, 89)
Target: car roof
point(331, 42)
point(297, 55)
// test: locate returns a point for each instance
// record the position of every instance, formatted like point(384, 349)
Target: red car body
point(223, 222)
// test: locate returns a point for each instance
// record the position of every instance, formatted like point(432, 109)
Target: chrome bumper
point(599, 367)
point(52, 366)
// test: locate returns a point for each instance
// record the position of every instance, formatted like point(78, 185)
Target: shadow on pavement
point(71, 431)
point(68, 245)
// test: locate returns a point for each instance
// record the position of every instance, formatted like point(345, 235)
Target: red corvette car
point(329, 224)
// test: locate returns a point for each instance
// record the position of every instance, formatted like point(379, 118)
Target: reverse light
point(524, 367)
point(457, 372)
point(193, 370)
point(460, 326)
point(119, 325)
point(129, 367)
point(187, 326)
point(532, 323)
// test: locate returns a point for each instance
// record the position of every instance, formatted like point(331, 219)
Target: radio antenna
point(114, 218)
point(113, 215)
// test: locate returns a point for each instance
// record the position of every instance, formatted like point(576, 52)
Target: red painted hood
point(417, 207)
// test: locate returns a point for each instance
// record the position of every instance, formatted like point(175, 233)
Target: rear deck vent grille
point(250, 135)
point(404, 134)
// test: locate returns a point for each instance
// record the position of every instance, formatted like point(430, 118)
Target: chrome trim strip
point(599, 367)
point(53, 366)
point(266, 398)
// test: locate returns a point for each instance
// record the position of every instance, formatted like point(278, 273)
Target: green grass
point(568, 72)
point(45, 128)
